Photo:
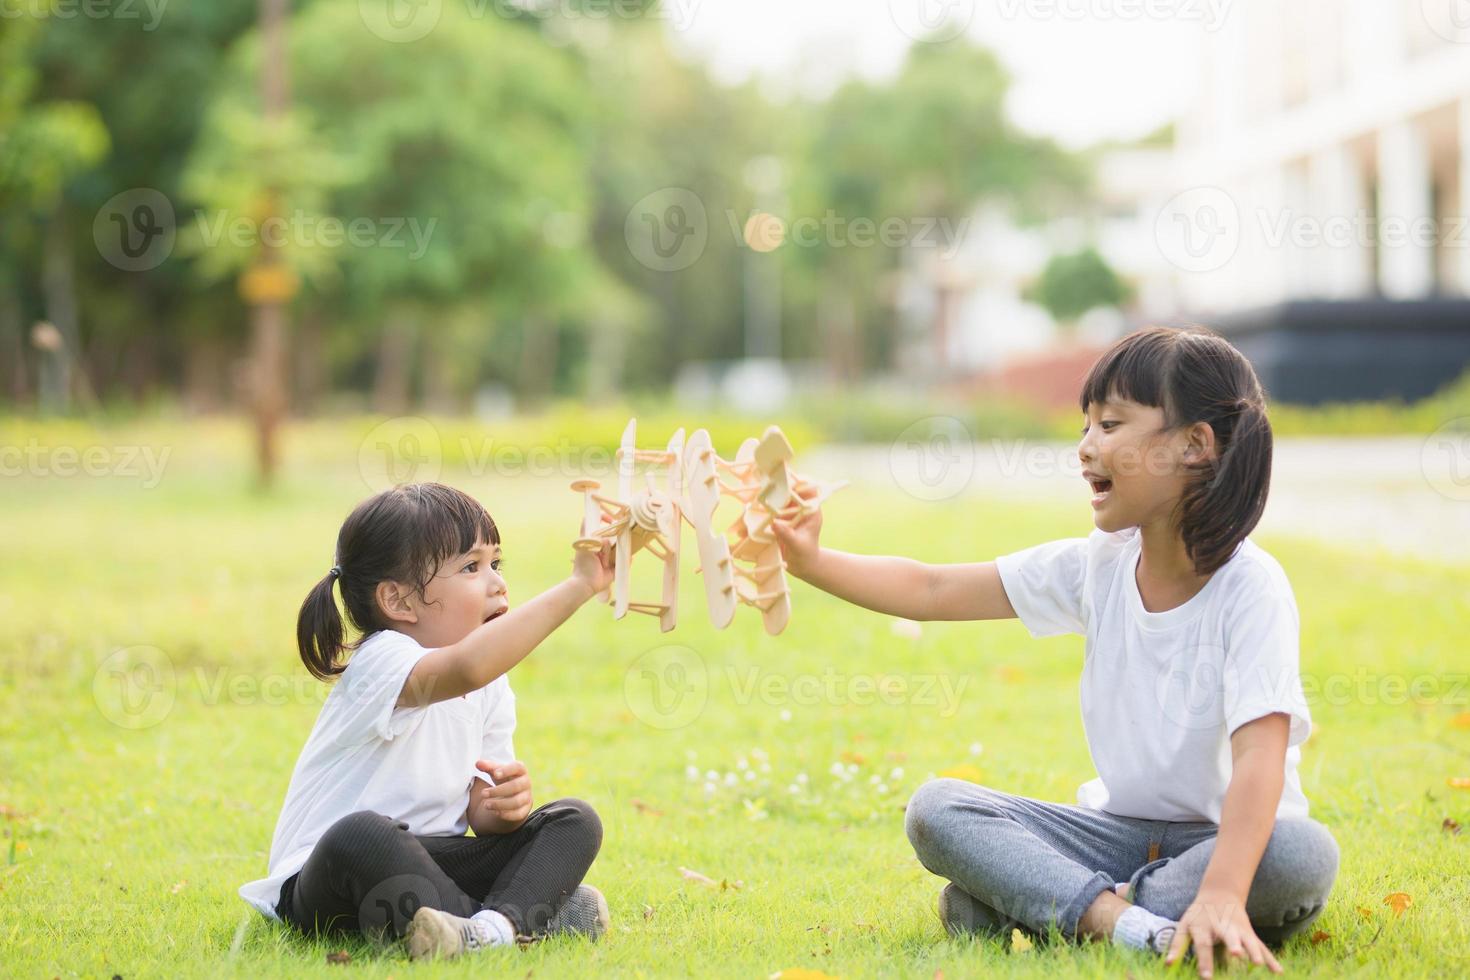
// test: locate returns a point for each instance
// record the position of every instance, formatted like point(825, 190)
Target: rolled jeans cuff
point(1071, 916)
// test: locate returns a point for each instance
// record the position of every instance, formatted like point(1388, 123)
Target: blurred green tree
point(1074, 283)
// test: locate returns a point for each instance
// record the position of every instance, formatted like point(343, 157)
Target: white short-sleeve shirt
point(1162, 692)
point(366, 753)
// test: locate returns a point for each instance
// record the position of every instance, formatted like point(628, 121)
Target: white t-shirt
point(365, 753)
point(1162, 692)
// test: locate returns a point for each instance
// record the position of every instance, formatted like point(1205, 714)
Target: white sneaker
point(435, 934)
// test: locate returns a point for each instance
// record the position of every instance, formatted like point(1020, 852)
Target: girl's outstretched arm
point(1258, 759)
point(495, 647)
point(894, 586)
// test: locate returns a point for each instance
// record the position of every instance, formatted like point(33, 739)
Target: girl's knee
point(1294, 877)
point(351, 833)
point(1303, 854)
point(581, 818)
point(932, 807)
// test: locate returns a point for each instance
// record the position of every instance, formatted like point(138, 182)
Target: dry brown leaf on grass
point(178, 887)
point(647, 912)
point(1366, 913)
point(340, 958)
point(644, 808)
point(1319, 937)
point(708, 882)
point(1398, 901)
point(1450, 826)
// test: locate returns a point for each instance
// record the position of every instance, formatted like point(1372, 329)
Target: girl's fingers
point(511, 787)
point(507, 807)
point(1179, 946)
point(1204, 949)
point(1270, 959)
point(1257, 951)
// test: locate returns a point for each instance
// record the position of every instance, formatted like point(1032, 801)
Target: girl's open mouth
point(1100, 491)
point(496, 614)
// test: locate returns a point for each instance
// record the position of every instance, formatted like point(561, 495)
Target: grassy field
point(140, 788)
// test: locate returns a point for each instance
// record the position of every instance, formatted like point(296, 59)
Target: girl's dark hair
point(1195, 375)
point(400, 535)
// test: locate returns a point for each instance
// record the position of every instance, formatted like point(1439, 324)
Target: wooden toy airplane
point(744, 564)
point(768, 489)
point(635, 521)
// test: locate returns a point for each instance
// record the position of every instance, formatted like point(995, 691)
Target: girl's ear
point(1200, 443)
point(396, 601)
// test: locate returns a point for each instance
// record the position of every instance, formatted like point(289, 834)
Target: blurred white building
point(1316, 202)
point(1327, 156)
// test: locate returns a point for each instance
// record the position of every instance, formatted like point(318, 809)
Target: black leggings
point(370, 874)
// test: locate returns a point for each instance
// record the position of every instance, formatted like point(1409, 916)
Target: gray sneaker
point(584, 913)
point(435, 934)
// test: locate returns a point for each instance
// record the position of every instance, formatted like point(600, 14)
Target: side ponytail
point(320, 635)
point(1223, 505)
point(1194, 375)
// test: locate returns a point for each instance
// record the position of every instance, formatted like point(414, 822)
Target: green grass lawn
point(129, 825)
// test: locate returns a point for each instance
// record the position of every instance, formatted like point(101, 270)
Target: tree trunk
point(310, 375)
point(395, 364)
point(540, 341)
point(58, 287)
point(13, 343)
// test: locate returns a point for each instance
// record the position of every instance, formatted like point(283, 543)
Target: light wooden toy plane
point(744, 564)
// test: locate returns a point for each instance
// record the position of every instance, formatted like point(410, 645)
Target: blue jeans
point(1023, 863)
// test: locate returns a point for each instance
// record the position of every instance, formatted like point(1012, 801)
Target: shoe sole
point(602, 921)
point(431, 936)
point(604, 915)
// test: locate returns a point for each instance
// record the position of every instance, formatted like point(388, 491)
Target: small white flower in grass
point(976, 748)
point(709, 787)
point(785, 714)
point(882, 788)
point(740, 763)
point(730, 779)
point(837, 769)
point(749, 775)
point(897, 773)
point(692, 772)
point(906, 628)
point(793, 788)
point(765, 767)
point(852, 767)
point(874, 779)
point(712, 776)
point(801, 778)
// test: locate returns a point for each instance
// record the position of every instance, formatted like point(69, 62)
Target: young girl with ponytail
point(1196, 829)
point(413, 744)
